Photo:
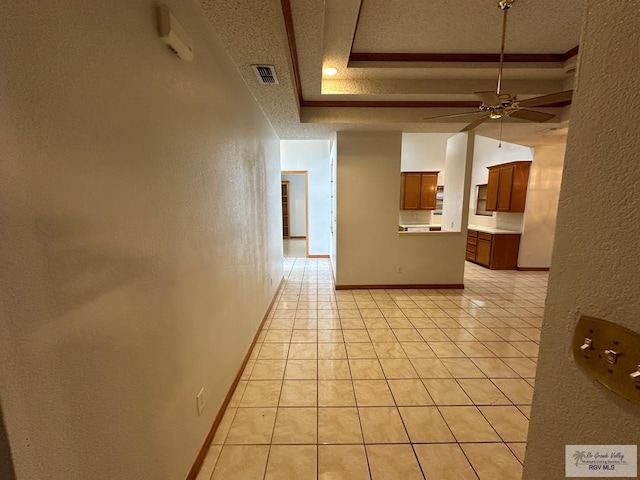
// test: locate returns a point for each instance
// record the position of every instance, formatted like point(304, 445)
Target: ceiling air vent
point(266, 74)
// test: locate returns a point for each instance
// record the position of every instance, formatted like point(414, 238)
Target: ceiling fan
point(498, 105)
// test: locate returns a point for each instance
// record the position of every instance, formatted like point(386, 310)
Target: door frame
point(306, 203)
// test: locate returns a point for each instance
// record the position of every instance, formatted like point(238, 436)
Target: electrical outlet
point(399, 269)
point(200, 401)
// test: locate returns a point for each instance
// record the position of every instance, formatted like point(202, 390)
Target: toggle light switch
point(586, 346)
point(610, 354)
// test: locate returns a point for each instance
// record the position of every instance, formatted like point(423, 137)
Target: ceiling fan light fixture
point(496, 105)
point(506, 4)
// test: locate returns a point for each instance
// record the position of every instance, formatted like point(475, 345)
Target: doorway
point(295, 213)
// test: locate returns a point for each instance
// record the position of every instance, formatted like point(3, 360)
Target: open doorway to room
point(295, 213)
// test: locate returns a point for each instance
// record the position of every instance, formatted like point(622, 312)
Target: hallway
point(386, 384)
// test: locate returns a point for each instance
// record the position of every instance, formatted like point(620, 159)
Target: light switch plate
point(610, 354)
point(200, 401)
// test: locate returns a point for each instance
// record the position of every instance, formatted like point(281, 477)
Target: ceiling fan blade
point(452, 115)
point(475, 123)
point(550, 99)
point(532, 115)
point(489, 98)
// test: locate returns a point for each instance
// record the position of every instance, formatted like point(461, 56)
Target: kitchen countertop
point(481, 228)
point(426, 233)
point(419, 225)
point(423, 229)
point(417, 229)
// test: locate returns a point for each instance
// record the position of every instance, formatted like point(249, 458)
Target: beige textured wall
point(368, 246)
point(595, 257)
point(140, 244)
point(543, 191)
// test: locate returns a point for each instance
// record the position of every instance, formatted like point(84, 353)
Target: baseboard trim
point(333, 274)
point(197, 464)
point(427, 286)
point(532, 269)
point(317, 256)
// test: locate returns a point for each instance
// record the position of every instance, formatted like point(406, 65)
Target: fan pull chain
point(500, 141)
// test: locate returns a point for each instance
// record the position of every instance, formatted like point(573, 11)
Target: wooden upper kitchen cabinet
point(419, 190)
point(507, 187)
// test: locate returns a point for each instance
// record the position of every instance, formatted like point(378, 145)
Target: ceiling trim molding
point(293, 50)
point(464, 57)
point(389, 104)
point(405, 104)
point(355, 30)
point(405, 57)
point(571, 53)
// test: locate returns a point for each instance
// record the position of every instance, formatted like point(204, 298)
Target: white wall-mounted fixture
point(266, 74)
point(173, 34)
point(200, 401)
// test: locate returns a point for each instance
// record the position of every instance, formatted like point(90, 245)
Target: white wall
point(539, 226)
point(486, 154)
point(595, 260)
point(460, 151)
point(297, 205)
point(313, 156)
point(333, 160)
point(424, 152)
point(139, 212)
point(369, 247)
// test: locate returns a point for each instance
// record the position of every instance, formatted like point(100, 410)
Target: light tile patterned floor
point(386, 384)
point(294, 247)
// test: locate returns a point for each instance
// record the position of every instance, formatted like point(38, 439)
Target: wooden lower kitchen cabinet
point(497, 251)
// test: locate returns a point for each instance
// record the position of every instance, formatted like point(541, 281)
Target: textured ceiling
point(469, 26)
point(321, 33)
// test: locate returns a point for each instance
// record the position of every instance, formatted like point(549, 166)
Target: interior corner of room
point(149, 183)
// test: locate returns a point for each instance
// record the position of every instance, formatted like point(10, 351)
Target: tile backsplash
point(418, 217)
point(502, 220)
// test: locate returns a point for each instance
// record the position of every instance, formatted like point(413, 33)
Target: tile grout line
point(266, 465)
point(404, 425)
point(355, 398)
point(317, 392)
